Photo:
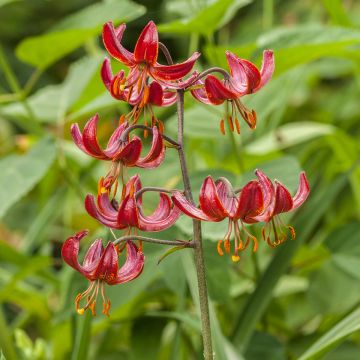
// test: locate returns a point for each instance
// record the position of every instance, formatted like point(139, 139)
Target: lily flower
point(218, 200)
point(153, 94)
point(281, 202)
point(143, 61)
point(120, 152)
point(245, 78)
point(101, 266)
point(128, 213)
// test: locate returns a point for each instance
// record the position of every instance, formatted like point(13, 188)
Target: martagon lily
point(122, 152)
point(245, 79)
point(128, 213)
point(100, 267)
point(143, 61)
point(218, 200)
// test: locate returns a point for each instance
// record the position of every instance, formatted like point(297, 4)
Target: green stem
point(6, 343)
point(31, 123)
point(198, 249)
point(82, 337)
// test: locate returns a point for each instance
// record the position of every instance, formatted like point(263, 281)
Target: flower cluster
point(148, 83)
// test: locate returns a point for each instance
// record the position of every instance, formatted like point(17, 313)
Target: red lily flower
point(218, 201)
point(245, 79)
point(143, 61)
point(121, 153)
point(101, 266)
point(281, 201)
point(128, 214)
point(153, 94)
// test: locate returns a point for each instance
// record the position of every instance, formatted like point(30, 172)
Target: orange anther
point(231, 124)
point(292, 232)
point(222, 126)
point(235, 258)
point(237, 124)
point(219, 249)
point(227, 246)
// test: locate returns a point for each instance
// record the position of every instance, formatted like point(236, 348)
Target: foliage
point(297, 301)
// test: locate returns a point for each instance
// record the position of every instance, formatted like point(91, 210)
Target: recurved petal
point(251, 201)
point(147, 45)
point(245, 75)
point(70, 251)
point(210, 202)
point(199, 92)
point(283, 199)
point(112, 38)
point(93, 255)
point(133, 265)
point(161, 223)
point(187, 208)
point(106, 73)
point(267, 187)
point(216, 90)
point(104, 219)
point(156, 153)
point(267, 69)
point(302, 191)
point(108, 266)
point(162, 211)
point(130, 153)
point(78, 138)
point(90, 138)
point(175, 71)
point(115, 143)
point(227, 196)
point(156, 94)
point(128, 215)
point(169, 98)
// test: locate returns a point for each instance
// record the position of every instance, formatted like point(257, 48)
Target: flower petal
point(108, 266)
point(106, 73)
point(267, 69)
point(283, 199)
point(112, 38)
point(175, 71)
point(90, 138)
point(128, 213)
point(209, 201)
point(227, 196)
point(147, 45)
point(70, 252)
point(216, 90)
point(302, 191)
point(251, 201)
point(93, 254)
point(156, 94)
point(156, 153)
point(189, 209)
point(132, 267)
point(149, 223)
point(78, 138)
point(130, 153)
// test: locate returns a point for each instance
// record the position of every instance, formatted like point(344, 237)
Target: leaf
point(336, 11)
point(347, 326)
point(19, 174)
point(207, 20)
point(43, 50)
point(288, 135)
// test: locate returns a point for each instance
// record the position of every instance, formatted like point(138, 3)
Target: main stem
point(198, 249)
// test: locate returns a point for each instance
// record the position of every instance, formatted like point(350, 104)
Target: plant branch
point(184, 243)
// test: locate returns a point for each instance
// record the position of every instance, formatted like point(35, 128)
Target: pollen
point(235, 258)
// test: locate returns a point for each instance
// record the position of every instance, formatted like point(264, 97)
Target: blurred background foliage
point(300, 301)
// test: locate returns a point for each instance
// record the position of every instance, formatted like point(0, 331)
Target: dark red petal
point(147, 45)
point(303, 191)
point(149, 223)
point(70, 251)
point(227, 196)
point(189, 209)
point(90, 138)
point(133, 185)
point(93, 254)
point(78, 138)
point(104, 219)
point(128, 213)
point(209, 201)
point(267, 69)
point(156, 94)
point(115, 143)
point(130, 153)
point(106, 207)
point(112, 39)
point(170, 98)
point(106, 73)
point(216, 90)
point(251, 201)
point(156, 153)
point(132, 267)
point(175, 85)
point(283, 199)
point(200, 93)
point(108, 265)
point(176, 71)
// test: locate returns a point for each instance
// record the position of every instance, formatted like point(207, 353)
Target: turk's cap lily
point(145, 55)
point(218, 200)
point(101, 265)
point(153, 94)
point(128, 212)
point(127, 152)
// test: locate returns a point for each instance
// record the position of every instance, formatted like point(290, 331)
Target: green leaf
point(19, 174)
point(43, 50)
point(207, 20)
point(349, 325)
point(336, 11)
point(288, 135)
